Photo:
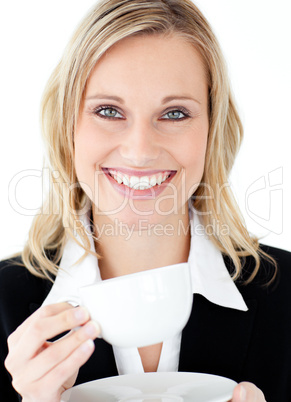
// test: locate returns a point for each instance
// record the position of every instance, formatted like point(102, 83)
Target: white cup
point(143, 308)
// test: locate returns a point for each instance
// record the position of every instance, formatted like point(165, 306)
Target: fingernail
point(92, 328)
point(243, 393)
point(87, 346)
point(81, 313)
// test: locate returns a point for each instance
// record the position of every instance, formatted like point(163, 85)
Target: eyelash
point(181, 109)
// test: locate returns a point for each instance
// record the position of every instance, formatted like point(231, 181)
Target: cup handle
point(75, 302)
point(72, 300)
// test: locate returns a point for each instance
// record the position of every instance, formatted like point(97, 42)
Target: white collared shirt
point(209, 276)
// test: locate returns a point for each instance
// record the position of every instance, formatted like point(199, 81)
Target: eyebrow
point(120, 100)
point(104, 96)
point(176, 97)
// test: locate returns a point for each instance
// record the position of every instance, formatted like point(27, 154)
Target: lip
point(147, 194)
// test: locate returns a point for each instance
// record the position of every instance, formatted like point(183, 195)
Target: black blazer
point(250, 346)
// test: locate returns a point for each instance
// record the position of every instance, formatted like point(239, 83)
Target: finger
point(247, 392)
point(57, 377)
point(51, 386)
point(59, 351)
point(47, 311)
point(69, 366)
point(47, 327)
point(15, 350)
point(44, 327)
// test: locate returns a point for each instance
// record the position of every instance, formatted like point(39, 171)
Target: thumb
point(239, 394)
point(247, 392)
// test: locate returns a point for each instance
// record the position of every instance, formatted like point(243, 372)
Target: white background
point(255, 36)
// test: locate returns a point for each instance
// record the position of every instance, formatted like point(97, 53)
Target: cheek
point(84, 157)
point(84, 169)
point(88, 154)
point(90, 149)
point(194, 150)
point(194, 161)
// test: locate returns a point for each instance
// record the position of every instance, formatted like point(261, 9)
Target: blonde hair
point(108, 22)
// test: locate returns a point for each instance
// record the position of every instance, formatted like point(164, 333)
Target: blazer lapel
point(216, 339)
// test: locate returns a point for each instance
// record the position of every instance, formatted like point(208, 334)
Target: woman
point(140, 127)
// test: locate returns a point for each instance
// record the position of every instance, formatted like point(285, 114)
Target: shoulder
point(15, 277)
point(283, 257)
point(262, 288)
point(277, 292)
point(21, 292)
point(267, 268)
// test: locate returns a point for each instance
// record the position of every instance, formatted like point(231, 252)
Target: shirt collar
point(209, 275)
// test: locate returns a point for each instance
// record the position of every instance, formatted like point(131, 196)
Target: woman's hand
point(247, 392)
point(43, 370)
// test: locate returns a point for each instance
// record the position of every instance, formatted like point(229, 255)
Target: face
point(141, 135)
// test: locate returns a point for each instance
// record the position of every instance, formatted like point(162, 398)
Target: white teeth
point(134, 180)
point(145, 180)
point(138, 183)
point(118, 178)
point(125, 180)
point(153, 181)
point(159, 180)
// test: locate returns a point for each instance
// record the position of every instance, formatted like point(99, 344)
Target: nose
point(139, 146)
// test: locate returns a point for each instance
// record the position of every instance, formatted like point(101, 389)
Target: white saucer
point(154, 387)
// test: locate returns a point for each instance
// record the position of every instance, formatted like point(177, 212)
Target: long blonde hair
point(108, 22)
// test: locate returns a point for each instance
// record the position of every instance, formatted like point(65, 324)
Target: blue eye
point(108, 112)
point(176, 115)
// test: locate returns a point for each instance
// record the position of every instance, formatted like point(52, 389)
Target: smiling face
point(141, 136)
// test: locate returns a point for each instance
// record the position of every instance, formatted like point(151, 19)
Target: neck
point(124, 250)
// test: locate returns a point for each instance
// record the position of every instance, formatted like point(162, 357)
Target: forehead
point(152, 63)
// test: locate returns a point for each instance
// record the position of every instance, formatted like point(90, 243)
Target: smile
point(138, 183)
